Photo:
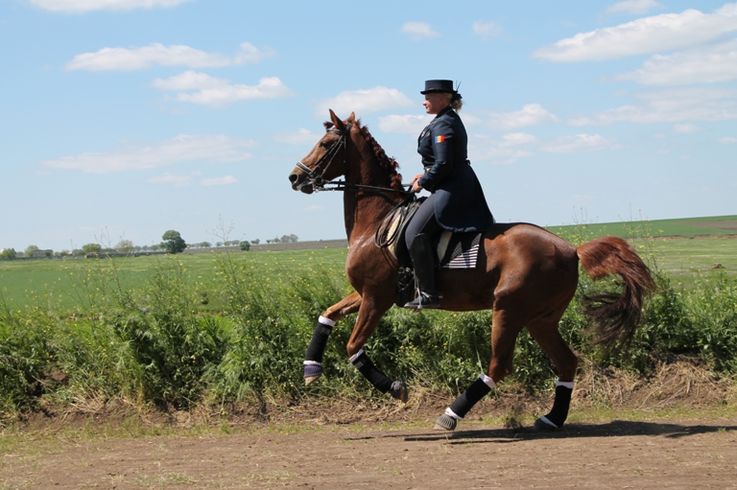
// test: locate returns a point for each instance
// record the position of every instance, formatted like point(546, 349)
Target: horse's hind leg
point(325, 324)
point(545, 332)
point(506, 327)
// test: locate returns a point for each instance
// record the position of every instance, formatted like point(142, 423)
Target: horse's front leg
point(325, 324)
point(369, 315)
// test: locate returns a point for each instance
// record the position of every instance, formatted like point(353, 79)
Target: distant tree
point(8, 254)
point(124, 246)
point(256, 241)
point(30, 249)
point(245, 246)
point(92, 248)
point(173, 242)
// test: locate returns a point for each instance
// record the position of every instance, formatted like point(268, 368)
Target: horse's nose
point(293, 177)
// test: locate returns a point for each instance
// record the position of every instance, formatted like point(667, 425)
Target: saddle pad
point(459, 250)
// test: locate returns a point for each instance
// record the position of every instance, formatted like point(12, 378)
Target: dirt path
point(618, 454)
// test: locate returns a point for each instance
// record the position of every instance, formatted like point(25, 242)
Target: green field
point(70, 283)
point(684, 227)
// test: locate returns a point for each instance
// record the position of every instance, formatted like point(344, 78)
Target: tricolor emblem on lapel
point(440, 139)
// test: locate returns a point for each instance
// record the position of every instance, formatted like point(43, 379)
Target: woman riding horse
point(526, 275)
point(457, 201)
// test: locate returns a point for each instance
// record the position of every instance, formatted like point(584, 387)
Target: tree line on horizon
point(172, 242)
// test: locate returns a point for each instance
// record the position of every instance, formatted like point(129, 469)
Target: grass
point(77, 283)
point(683, 227)
point(74, 284)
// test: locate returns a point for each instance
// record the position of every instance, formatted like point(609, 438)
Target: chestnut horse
point(526, 275)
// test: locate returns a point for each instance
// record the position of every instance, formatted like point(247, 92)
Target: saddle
point(454, 250)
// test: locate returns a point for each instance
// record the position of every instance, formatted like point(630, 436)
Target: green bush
point(164, 345)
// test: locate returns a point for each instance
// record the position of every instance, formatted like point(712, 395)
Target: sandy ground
point(618, 454)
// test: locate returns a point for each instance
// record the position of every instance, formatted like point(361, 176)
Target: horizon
point(127, 118)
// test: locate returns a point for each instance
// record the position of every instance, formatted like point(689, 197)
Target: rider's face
point(436, 102)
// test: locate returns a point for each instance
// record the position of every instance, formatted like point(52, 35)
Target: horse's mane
point(385, 161)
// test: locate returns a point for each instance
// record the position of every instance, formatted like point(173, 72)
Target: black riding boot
point(423, 259)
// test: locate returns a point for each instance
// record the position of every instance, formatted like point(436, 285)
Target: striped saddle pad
point(459, 250)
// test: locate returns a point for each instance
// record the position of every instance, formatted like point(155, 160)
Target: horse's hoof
point(399, 391)
point(445, 422)
point(543, 423)
point(312, 371)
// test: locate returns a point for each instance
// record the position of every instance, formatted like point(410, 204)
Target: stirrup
point(424, 301)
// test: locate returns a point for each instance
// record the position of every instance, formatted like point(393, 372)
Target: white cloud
point(90, 5)
point(517, 139)
point(201, 88)
point(710, 64)
point(419, 30)
point(684, 128)
point(129, 59)
point(728, 140)
point(646, 35)
point(506, 151)
point(364, 100)
point(403, 124)
point(299, 137)
point(578, 142)
point(180, 149)
point(529, 115)
point(672, 106)
point(227, 180)
point(633, 7)
point(171, 179)
point(485, 29)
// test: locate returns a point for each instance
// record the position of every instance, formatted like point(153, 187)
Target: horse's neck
point(364, 210)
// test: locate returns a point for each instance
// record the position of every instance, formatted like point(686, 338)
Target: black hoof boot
point(399, 391)
point(445, 422)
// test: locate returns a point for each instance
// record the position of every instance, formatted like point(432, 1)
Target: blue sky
point(122, 119)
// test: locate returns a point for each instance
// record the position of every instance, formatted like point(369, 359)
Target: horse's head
point(327, 159)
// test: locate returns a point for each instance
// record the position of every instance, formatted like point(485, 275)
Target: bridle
point(316, 174)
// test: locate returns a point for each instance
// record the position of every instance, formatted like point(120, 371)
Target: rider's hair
point(456, 102)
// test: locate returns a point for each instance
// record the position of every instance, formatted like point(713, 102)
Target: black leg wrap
point(562, 402)
point(316, 349)
point(470, 397)
point(364, 365)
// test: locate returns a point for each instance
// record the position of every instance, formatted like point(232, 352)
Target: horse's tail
point(615, 316)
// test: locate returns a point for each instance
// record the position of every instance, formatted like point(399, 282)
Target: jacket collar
point(446, 110)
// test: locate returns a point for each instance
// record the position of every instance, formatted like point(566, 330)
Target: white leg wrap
point(356, 355)
point(547, 421)
point(488, 381)
point(567, 384)
point(326, 321)
point(451, 413)
point(311, 363)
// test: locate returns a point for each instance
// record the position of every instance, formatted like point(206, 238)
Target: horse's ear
point(352, 118)
point(336, 120)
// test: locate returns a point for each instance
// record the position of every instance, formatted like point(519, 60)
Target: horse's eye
point(324, 144)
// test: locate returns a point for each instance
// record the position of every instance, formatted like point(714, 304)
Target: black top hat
point(438, 86)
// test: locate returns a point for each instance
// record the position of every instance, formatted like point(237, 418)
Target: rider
point(456, 202)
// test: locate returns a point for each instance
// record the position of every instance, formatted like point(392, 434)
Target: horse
point(525, 274)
